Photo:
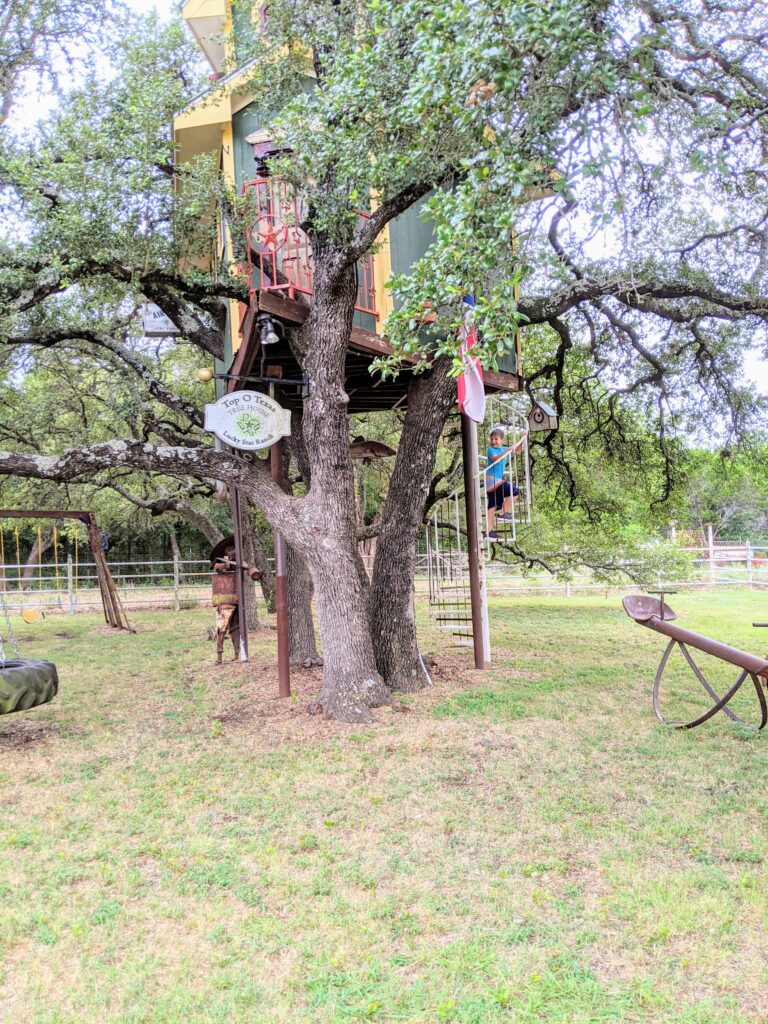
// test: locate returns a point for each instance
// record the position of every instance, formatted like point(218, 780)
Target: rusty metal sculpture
point(224, 597)
point(657, 615)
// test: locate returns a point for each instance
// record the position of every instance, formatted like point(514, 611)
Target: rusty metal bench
point(657, 615)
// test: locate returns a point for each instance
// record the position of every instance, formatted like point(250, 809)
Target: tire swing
point(24, 682)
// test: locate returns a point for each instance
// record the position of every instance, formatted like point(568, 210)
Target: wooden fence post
point(749, 563)
point(176, 603)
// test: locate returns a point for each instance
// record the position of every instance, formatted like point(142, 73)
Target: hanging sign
point(156, 324)
point(247, 419)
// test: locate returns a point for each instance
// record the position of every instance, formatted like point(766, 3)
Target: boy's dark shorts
point(497, 496)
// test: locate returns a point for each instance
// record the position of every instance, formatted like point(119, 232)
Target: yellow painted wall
point(228, 166)
point(205, 9)
point(382, 271)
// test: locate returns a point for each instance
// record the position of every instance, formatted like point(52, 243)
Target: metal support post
point(471, 471)
point(237, 530)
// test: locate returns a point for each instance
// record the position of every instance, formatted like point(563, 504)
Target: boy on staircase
point(500, 493)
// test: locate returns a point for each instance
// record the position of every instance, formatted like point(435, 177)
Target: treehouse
point(278, 263)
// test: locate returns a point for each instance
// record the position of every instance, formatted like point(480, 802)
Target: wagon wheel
point(720, 703)
point(26, 683)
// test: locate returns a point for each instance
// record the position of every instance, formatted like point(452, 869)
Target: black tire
point(25, 683)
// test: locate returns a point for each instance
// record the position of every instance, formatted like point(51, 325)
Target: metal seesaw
point(657, 615)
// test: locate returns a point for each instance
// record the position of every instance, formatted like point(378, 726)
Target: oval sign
point(248, 420)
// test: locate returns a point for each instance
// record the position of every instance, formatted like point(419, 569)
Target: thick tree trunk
point(303, 646)
point(32, 565)
point(351, 682)
point(257, 555)
point(393, 627)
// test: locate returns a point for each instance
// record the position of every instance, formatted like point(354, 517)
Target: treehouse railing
point(279, 253)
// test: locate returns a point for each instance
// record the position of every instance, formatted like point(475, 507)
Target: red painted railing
point(279, 253)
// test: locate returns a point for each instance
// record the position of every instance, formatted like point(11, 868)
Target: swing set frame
point(114, 613)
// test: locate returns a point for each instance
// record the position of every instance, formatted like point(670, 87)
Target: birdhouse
point(542, 417)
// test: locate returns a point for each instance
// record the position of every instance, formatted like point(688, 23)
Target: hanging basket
point(26, 683)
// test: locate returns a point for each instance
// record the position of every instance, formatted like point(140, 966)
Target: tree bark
point(267, 581)
point(176, 553)
point(31, 566)
point(303, 645)
point(351, 682)
point(430, 399)
point(200, 522)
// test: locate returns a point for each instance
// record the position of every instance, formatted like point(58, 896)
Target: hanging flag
point(470, 384)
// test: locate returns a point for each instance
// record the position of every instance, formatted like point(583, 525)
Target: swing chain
point(9, 628)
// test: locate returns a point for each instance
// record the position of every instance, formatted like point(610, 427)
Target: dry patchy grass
point(523, 845)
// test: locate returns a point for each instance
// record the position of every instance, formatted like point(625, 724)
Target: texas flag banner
point(470, 384)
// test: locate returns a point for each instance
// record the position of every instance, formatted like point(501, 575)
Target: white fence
point(723, 565)
point(70, 589)
point(186, 583)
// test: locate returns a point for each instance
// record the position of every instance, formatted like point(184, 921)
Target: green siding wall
point(242, 26)
point(253, 118)
point(250, 119)
point(410, 235)
point(508, 362)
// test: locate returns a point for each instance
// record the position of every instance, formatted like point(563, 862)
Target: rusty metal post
point(281, 584)
point(470, 460)
point(237, 531)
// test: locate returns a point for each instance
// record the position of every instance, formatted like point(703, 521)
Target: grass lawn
point(526, 844)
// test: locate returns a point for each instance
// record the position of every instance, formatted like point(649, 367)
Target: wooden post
point(749, 563)
point(469, 456)
point(70, 585)
point(176, 602)
point(97, 552)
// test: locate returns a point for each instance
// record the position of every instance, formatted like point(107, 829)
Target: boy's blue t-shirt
point(494, 474)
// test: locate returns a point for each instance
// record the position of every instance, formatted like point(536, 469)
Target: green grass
point(524, 845)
